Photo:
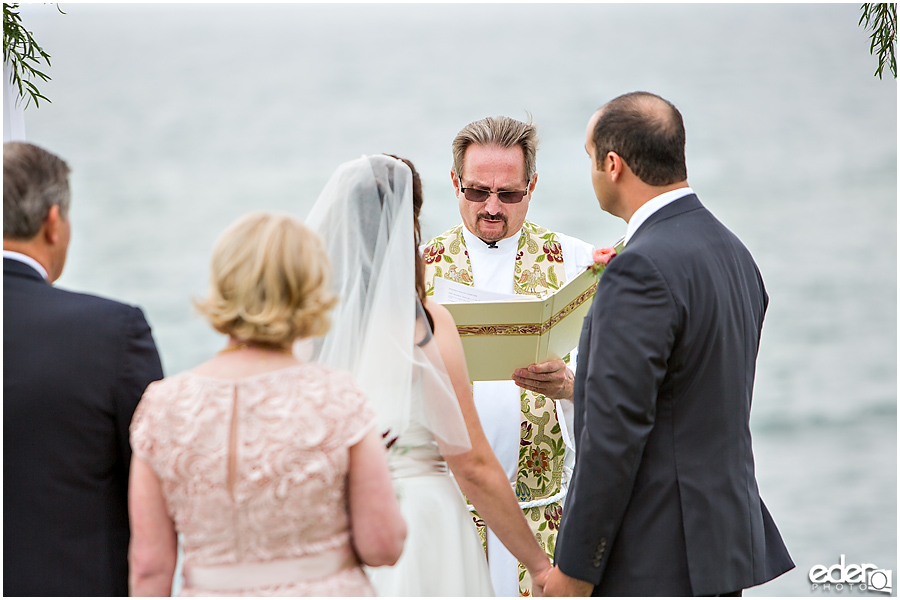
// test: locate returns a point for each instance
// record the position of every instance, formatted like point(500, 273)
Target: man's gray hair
point(34, 180)
point(501, 131)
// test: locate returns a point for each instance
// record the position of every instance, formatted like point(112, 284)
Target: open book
point(503, 333)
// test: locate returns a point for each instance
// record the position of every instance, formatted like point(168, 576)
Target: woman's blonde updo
point(270, 282)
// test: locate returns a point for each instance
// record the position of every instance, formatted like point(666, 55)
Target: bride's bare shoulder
point(440, 314)
point(448, 342)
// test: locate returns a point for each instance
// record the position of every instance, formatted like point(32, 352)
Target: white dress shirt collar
point(504, 245)
point(651, 206)
point(492, 268)
point(23, 258)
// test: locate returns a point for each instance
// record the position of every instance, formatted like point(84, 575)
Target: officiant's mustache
point(489, 217)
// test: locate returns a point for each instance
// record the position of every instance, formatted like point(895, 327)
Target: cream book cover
point(501, 334)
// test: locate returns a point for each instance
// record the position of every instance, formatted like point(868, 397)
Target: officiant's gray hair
point(34, 180)
point(501, 131)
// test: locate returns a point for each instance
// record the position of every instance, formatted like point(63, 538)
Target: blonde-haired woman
point(269, 467)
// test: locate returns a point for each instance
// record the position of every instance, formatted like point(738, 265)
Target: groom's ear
point(615, 165)
point(455, 181)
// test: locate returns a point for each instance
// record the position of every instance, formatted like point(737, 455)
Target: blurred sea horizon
point(178, 118)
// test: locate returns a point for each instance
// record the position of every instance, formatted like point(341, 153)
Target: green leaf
point(881, 20)
point(23, 54)
point(39, 74)
point(447, 258)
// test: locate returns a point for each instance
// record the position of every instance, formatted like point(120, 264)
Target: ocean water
point(177, 119)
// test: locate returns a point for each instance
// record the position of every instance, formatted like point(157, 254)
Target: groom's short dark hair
point(647, 131)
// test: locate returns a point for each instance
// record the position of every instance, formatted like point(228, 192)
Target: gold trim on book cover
point(528, 328)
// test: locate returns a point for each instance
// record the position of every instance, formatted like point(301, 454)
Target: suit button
point(596, 563)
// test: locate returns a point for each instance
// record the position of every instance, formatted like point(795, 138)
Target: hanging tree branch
point(23, 55)
point(881, 19)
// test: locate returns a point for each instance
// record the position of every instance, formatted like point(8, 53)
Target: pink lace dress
point(254, 476)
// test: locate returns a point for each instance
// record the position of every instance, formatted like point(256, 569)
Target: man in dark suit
point(664, 499)
point(74, 368)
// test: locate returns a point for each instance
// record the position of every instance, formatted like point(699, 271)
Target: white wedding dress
point(365, 218)
point(443, 555)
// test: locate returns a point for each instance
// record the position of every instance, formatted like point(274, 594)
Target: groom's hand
point(553, 379)
point(538, 581)
point(560, 584)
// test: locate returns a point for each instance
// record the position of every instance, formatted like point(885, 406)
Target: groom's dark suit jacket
point(74, 368)
point(664, 498)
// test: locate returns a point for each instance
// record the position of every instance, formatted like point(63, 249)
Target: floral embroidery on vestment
point(538, 271)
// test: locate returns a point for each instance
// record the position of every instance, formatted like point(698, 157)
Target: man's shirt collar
point(651, 206)
point(505, 245)
point(24, 258)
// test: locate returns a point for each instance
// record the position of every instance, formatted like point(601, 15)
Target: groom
point(664, 499)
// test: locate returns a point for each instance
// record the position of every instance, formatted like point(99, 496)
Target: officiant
point(528, 420)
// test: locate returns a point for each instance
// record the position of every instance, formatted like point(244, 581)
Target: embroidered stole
point(538, 271)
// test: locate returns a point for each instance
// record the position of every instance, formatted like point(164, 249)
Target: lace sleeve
point(358, 415)
point(144, 424)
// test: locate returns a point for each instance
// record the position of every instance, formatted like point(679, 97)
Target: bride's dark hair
point(417, 229)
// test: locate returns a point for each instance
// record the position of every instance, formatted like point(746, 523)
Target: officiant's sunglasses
point(477, 195)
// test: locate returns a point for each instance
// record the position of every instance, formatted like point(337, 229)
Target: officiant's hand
point(560, 584)
point(553, 379)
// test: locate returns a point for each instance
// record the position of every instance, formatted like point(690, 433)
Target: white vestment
point(498, 402)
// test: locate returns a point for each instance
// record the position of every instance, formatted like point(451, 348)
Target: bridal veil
point(365, 218)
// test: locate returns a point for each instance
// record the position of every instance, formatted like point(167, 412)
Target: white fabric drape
point(13, 109)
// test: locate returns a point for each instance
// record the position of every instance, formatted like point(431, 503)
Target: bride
point(405, 353)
